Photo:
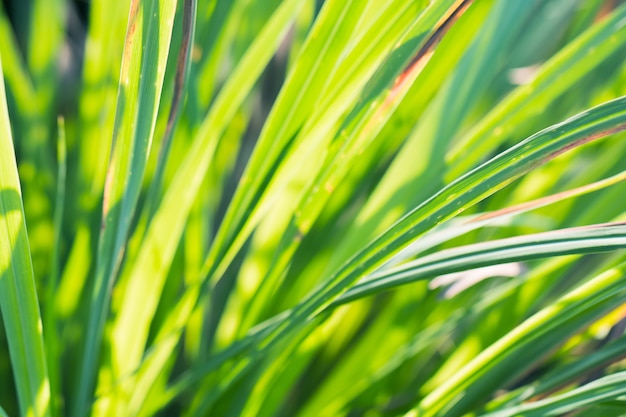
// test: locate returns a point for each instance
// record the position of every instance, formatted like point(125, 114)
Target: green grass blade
point(566, 374)
point(591, 239)
point(141, 82)
point(183, 67)
point(18, 296)
point(601, 390)
point(97, 102)
point(461, 226)
point(50, 319)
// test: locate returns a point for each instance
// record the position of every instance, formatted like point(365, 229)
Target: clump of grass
point(312, 208)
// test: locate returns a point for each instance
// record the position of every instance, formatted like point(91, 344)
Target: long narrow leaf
point(18, 296)
point(141, 81)
point(597, 238)
point(496, 364)
point(607, 388)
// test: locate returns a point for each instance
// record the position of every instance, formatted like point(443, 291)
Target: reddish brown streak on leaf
point(442, 27)
point(582, 141)
point(132, 18)
point(130, 33)
point(424, 54)
point(553, 155)
point(535, 203)
point(181, 67)
point(421, 58)
point(182, 70)
point(605, 10)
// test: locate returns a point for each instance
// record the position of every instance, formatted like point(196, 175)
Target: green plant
point(348, 207)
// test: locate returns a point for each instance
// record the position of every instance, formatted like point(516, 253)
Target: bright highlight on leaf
point(312, 208)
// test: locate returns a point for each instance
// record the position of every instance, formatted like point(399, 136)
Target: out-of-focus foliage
point(312, 208)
